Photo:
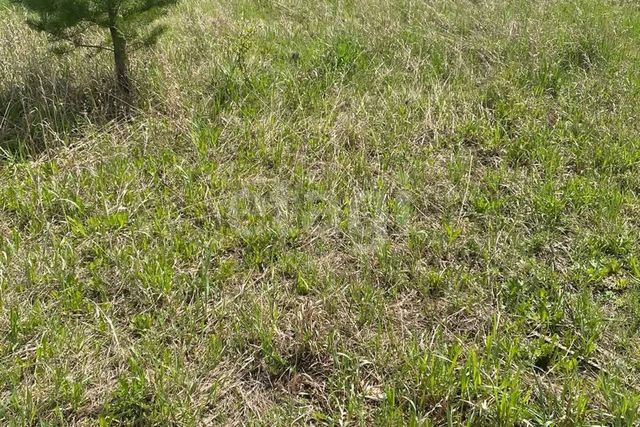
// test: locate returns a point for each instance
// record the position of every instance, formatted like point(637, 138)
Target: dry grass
point(343, 213)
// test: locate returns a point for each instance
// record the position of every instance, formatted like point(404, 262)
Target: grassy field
point(342, 212)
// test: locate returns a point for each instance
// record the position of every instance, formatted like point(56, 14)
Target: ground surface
point(337, 212)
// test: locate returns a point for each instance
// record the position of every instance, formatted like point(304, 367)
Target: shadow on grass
point(45, 110)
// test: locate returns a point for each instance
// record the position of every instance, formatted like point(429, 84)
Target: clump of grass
point(362, 212)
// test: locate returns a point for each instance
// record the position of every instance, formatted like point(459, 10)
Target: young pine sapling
point(128, 24)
